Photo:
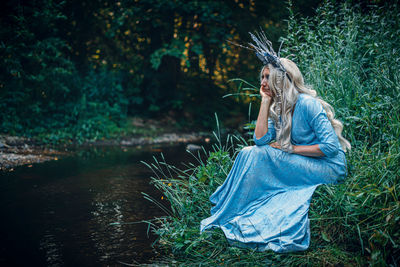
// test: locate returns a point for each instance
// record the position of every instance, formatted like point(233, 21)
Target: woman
point(264, 201)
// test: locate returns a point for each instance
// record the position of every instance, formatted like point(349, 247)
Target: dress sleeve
point(322, 127)
point(268, 137)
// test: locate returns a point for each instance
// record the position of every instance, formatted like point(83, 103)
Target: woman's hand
point(275, 145)
point(265, 93)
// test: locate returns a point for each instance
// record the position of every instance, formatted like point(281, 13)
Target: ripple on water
point(74, 211)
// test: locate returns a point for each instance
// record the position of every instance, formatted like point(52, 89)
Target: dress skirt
point(263, 203)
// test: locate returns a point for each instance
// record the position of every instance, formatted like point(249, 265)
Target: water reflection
point(59, 213)
point(51, 249)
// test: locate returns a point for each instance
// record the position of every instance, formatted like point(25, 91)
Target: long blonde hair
point(286, 88)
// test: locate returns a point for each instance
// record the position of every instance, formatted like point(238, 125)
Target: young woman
point(264, 201)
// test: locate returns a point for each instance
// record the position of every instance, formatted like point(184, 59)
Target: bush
point(42, 93)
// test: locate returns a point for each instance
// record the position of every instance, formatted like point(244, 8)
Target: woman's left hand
point(275, 145)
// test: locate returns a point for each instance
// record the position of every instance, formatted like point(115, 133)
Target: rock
point(193, 147)
point(126, 142)
point(138, 122)
point(4, 145)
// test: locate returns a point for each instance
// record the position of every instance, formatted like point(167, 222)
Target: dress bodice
point(310, 126)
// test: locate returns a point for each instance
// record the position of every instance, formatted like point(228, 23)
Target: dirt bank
point(18, 151)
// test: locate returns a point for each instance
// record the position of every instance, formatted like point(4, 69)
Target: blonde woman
point(264, 201)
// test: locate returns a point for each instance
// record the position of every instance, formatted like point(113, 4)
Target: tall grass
point(351, 57)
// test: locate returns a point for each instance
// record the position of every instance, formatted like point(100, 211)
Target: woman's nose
point(264, 82)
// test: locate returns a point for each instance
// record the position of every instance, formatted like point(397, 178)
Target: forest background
point(78, 70)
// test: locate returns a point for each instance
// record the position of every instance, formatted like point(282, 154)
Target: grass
point(351, 57)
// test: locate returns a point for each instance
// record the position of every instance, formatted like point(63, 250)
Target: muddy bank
point(166, 138)
point(17, 151)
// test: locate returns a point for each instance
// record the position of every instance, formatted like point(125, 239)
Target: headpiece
point(264, 50)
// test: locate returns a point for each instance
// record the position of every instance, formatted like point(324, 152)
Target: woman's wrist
point(266, 100)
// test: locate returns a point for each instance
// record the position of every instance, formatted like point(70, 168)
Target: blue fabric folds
point(268, 137)
point(263, 203)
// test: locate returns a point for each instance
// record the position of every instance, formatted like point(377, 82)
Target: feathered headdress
point(264, 51)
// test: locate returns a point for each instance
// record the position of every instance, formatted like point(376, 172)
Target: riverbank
point(18, 151)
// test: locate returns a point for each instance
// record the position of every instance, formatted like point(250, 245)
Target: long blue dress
point(263, 203)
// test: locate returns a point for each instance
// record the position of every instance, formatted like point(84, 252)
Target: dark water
point(59, 213)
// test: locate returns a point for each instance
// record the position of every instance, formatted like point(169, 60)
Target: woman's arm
point(311, 151)
point(262, 119)
point(328, 144)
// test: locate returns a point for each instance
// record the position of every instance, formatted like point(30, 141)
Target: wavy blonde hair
point(286, 88)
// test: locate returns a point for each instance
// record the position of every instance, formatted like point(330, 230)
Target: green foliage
point(166, 55)
point(186, 191)
point(217, 163)
point(351, 57)
point(34, 74)
point(42, 93)
point(352, 60)
point(175, 49)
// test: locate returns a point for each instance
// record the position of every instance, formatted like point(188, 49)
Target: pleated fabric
point(263, 203)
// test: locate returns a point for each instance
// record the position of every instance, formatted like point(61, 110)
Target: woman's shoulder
point(308, 100)
point(310, 105)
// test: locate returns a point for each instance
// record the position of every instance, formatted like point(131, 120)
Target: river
point(61, 213)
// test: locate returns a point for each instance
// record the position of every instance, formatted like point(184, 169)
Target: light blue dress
point(263, 203)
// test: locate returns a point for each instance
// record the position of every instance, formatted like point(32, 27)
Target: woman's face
point(264, 80)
